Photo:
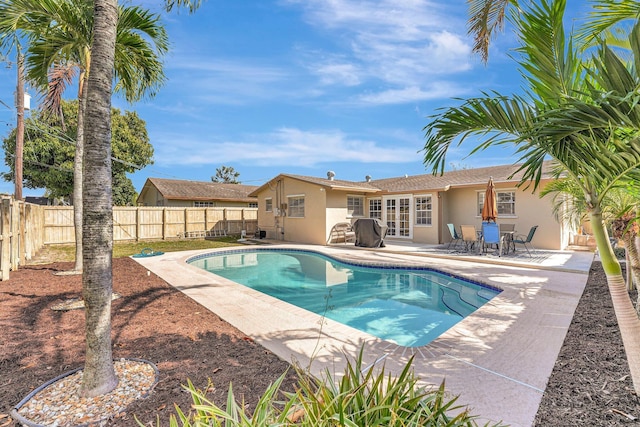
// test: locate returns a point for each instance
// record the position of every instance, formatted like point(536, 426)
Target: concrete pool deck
point(498, 360)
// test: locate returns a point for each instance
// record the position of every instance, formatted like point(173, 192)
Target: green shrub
point(358, 399)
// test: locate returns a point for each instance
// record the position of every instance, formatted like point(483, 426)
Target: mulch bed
point(151, 321)
point(590, 384)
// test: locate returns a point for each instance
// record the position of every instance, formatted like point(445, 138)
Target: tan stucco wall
point(310, 229)
point(324, 208)
point(337, 209)
point(461, 208)
point(151, 197)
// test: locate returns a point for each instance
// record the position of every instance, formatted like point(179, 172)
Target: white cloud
point(283, 147)
point(398, 42)
point(338, 73)
point(413, 94)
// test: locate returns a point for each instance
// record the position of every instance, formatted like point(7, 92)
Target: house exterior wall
point(458, 205)
point(461, 208)
point(312, 227)
point(427, 233)
point(309, 229)
point(152, 197)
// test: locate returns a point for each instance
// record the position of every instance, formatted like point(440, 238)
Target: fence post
point(137, 223)
point(15, 234)
point(5, 257)
point(164, 223)
point(22, 233)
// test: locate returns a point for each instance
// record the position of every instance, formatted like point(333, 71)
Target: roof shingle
point(177, 189)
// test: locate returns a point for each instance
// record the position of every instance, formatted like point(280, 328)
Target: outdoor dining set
point(490, 234)
point(502, 237)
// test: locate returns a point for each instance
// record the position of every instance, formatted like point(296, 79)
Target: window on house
point(355, 206)
point(253, 204)
point(268, 205)
point(296, 206)
point(505, 200)
point(198, 204)
point(423, 210)
point(375, 208)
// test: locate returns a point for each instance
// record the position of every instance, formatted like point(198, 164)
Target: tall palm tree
point(586, 120)
point(60, 34)
point(97, 280)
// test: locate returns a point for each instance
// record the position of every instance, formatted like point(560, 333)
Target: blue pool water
point(410, 307)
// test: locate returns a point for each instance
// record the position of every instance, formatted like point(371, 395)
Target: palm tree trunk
point(628, 320)
point(77, 171)
point(99, 375)
point(633, 265)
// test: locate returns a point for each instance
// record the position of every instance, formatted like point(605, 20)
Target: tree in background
point(59, 37)
point(226, 174)
point(50, 152)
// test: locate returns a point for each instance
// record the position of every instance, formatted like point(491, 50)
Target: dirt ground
point(590, 384)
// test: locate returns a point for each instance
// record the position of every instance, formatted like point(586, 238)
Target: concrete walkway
point(497, 360)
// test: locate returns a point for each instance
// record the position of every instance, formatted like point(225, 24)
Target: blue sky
point(307, 86)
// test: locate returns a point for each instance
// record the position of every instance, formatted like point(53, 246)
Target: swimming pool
point(409, 307)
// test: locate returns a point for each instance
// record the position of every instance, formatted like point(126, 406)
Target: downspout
point(440, 217)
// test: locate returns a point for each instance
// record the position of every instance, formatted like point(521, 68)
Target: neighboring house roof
point(177, 189)
point(457, 178)
point(333, 184)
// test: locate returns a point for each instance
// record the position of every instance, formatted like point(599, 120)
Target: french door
point(398, 217)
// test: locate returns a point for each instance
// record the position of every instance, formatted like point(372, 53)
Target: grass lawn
point(67, 252)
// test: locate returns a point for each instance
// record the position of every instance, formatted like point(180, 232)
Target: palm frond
point(191, 5)
point(141, 41)
point(500, 119)
point(485, 18)
point(60, 77)
point(607, 14)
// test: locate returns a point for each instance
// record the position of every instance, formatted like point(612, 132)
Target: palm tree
point(97, 280)
point(586, 120)
point(60, 34)
point(619, 213)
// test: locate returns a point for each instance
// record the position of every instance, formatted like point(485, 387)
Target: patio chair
point(455, 237)
point(469, 237)
point(341, 232)
point(526, 240)
point(491, 236)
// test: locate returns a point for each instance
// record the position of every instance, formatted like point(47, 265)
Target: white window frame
point(428, 210)
point(378, 210)
point(253, 204)
point(351, 205)
point(295, 206)
point(500, 205)
point(268, 204)
point(202, 204)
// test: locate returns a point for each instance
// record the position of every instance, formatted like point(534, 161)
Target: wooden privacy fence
point(21, 233)
point(156, 223)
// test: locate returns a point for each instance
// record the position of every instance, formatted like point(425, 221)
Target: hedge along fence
point(21, 233)
point(155, 223)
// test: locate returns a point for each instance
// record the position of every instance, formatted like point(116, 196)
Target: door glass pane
point(391, 217)
point(403, 216)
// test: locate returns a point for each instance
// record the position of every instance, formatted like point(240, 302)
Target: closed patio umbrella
point(490, 207)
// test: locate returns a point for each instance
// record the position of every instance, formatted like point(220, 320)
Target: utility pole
point(19, 128)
